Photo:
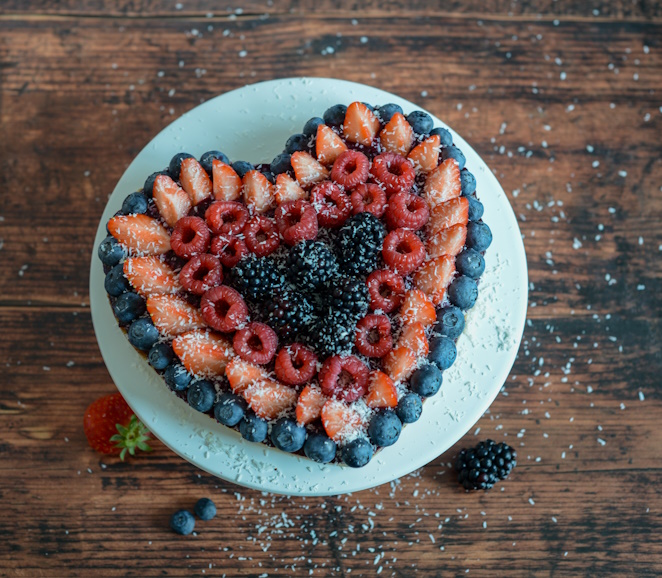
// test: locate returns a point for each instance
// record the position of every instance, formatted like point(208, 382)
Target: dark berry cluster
point(348, 295)
point(359, 244)
point(482, 466)
point(310, 264)
point(257, 278)
point(291, 315)
point(334, 333)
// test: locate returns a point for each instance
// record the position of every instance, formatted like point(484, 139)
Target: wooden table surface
point(562, 99)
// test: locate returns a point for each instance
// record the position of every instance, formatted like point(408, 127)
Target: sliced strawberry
point(226, 182)
point(417, 308)
point(445, 215)
point(425, 156)
point(340, 420)
point(269, 398)
point(397, 136)
point(203, 352)
point(173, 315)
point(140, 234)
point(413, 337)
point(382, 392)
point(258, 192)
point(361, 125)
point(307, 170)
point(443, 183)
point(434, 276)
point(400, 363)
point(242, 373)
point(171, 200)
point(309, 406)
point(287, 189)
point(195, 180)
point(328, 145)
point(150, 276)
point(447, 241)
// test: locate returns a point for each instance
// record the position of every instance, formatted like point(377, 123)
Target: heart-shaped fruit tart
point(312, 302)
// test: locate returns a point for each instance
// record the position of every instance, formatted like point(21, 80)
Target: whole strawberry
point(112, 428)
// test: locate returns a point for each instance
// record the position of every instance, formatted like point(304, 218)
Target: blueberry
point(205, 509)
point(479, 236)
point(208, 158)
point(450, 322)
point(148, 187)
point(463, 292)
point(175, 165)
point(129, 306)
point(445, 136)
point(442, 352)
point(409, 408)
point(110, 251)
point(142, 334)
point(229, 409)
point(384, 429)
point(320, 448)
point(335, 115)
point(281, 164)
point(176, 376)
point(310, 128)
point(135, 203)
point(160, 356)
point(287, 435)
point(470, 263)
point(182, 522)
point(115, 282)
point(369, 106)
point(426, 380)
point(270, 176)
point(476, 209)
point(452, 152)
point(420, 121)
point(252, 428)
point(386, 111)
point(468, 182)
point(242, 167)
point(297, 142)
point(201, 395)
point(357, 453)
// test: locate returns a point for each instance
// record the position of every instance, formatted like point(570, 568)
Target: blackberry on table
point(257, 278)
point(480, 467)
point(359, 243)
point(334, 333)
point(310, 264)
point(291, 315)
point(348, 295)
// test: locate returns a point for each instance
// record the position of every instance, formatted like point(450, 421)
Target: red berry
point(295, 364)
point(403, 251)
point(370, 198)
point(386, 290)
point(407, 211)
point(226, 217)
point(394, 172)
point(373, 336)
point(331, 203)
point(256, 343)
point(345, 378)
point(224, 309)
point(350, 169)
point(229, 248)
point(296, 221)
point(261, 236)
point(201, 273)
point(190, 237)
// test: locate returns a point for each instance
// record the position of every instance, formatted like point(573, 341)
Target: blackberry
point(348, 295)
point(291, 315)
point(256, 278)
point(334, 333)
point(360, 242)
point(480, 467)
point(310, 264)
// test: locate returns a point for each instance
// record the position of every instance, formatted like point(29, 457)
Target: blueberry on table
point(281, 163)
point(452, 152)
point(175, 165)
point(442, 352)
point(205, 509)
point(310, 128)
point(135, 203)
point(386, 111)
point(160, 355)
point(242, 167)
point(182, 522)
point(252, 428)
point(409, 408)
point(129, 306)
point(115, 282)
point(148, 187)
point(320, 448)
point(335, 115)
point(445, 136)
point(384, 429)
point(229, 409)
point(450, 322)
point(142, 334)
point(288, 435)
point(476, 209)
point(420, 121)
point(426, 380)
point(297, 142)
point(208, 158)
point(463, 292)
point(479, 236)
point(470, 263)
point(176, 377)
point(357, 453)
point(201, 395)
point(468, 182)
point(110, 251)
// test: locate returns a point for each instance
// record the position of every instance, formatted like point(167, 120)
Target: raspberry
point(368, 198)
point(226, 217)
point(296, 364)
point(223, 309)
point(230, 249)
point(190, 237)
point(261, 236)
point(345, 378)
point(403, 251)
point(407, 211)
point(256, 343)
point(201, 273)
point(394, 172)
point(350, 169)
point(332, 205)
point(373, 336)
point(386, 290)
point(296, 221)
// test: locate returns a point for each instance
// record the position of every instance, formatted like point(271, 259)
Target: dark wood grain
point(81, 92)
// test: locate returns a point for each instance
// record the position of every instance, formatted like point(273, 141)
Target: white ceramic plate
point(252, 123)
